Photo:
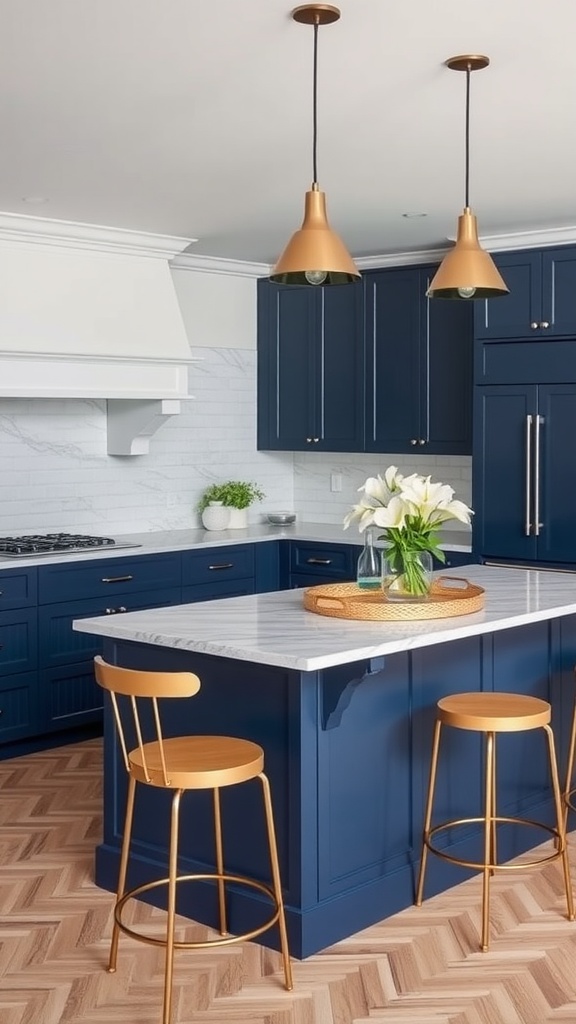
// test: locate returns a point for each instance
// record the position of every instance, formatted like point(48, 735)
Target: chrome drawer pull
point(224, 565)
point(116, 579)
point(115, 611)
point(319, 561)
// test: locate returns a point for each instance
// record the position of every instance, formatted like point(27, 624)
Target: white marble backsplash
point(313, 476)
point(55, 473)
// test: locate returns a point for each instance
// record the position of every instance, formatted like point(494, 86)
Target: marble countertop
point(274, 629)
point(159, 542)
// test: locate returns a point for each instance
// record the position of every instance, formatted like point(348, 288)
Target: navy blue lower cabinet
point(347, 751)
point(18, 640)
point(71, 697)
point(18, 706)
point(68, 697)
point(18, 588)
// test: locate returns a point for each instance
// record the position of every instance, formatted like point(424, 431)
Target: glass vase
point(406, 574)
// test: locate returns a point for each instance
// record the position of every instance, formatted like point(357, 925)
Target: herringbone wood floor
point(421, 966)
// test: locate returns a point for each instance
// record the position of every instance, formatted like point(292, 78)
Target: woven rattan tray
point(450, 595)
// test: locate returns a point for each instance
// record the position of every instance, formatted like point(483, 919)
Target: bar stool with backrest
point(180, 764)
point(492, 713)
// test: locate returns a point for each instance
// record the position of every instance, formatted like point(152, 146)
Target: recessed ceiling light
point(35, 200)
point(410, 215)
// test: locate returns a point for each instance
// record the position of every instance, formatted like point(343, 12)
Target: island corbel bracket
point(336, 693)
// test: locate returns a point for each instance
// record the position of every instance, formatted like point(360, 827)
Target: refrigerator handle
point(527, 523)
point(538, 420)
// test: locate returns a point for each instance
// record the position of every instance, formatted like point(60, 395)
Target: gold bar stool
point(492, 713)
point(569, 794)
point(181, 764)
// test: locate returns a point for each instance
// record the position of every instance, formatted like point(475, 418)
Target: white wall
point(55, 473)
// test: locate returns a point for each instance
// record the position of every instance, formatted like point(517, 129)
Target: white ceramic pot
point(238, 518)
point(216, 516)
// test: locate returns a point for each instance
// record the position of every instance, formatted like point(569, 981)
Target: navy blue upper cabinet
point(419, 366)
point(524, 486)
point(310, 368)
point(542, 299)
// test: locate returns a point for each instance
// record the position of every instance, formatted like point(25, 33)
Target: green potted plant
point(234, 495)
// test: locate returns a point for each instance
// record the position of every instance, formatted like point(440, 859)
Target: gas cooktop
point(56, 544)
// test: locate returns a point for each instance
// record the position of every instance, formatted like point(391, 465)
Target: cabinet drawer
point(323, 560)
point(60, 644)
point(18, 589)
point(16, 704)
point(18, 641)
point(235, 562)
point(108, 578)
point(214, 590)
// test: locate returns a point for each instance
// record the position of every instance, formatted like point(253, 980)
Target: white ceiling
point(193, 118)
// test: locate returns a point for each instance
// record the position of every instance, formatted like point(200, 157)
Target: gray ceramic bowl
point(281, 518)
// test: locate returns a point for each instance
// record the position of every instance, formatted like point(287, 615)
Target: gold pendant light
point(467, 271)
point(315, 255)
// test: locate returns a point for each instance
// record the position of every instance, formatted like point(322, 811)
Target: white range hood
point(88, 312)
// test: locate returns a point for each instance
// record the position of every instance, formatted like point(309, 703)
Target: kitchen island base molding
point(347, 751)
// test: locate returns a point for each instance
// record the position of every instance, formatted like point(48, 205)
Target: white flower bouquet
point(410, 510)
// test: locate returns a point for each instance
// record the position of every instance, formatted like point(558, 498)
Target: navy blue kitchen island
point(344, 711)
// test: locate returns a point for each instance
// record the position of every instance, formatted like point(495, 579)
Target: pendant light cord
point(468, 71)
point(315, 107)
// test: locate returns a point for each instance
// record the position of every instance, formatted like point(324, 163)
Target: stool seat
point(494, 712)
point(197, 762)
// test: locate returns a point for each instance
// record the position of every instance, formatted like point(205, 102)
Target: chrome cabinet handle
point(422, 441)
point(527, 523)
point(539, 420)
point(115, 611)
point(413, 440)
point(116, 579)
point(319, 561)
point(223, 565)
point(534, 325)
point(544, 324)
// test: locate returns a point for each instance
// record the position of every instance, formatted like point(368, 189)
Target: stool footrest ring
point(221, 940)
point(481, 865)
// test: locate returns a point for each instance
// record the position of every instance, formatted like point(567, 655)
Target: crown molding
point(399, 259)
point(219, 265)
point(94, 237)
point(536, 239)
point(74, 235)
